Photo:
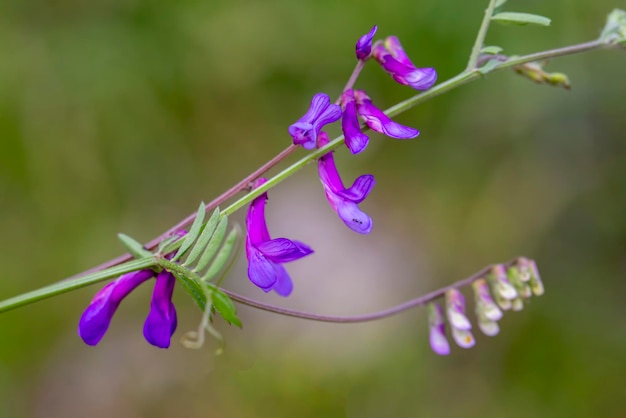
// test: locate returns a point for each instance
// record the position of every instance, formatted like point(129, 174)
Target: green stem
point(112, 270)
point(480, 38)
point(73, 284)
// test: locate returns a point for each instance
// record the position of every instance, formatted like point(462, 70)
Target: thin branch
point(394, 310)
point(480, 38)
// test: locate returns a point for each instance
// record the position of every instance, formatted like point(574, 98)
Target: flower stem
point(394, 310)
point(109, 269)
point(480, 38)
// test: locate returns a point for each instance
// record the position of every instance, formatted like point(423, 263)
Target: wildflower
point(503, 291)
point(356, 141)
point(161, 322)
point(266, 255)
point(487, 312)
point(530, 275)
point(438, 341)
point(345, 201)
point(460, 325)
point(307, 128)
point(364, 45)
point(395, 61)
point(378, 121)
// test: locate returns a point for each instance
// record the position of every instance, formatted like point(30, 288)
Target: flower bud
point(436, 321)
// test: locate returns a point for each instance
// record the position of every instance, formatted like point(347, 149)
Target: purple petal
point(320, 113)
point(438, 341)
point(361, 188)
point(356, 140)
point(255, 220)
point(394, 47)
point(283, 250)
point(364, 44)
point(97, 317)
point(161, 321)
point(261, 271)
point(381, 123)
point(284, 284)
point(417, 78)
point(352, 216)
point(329, 176)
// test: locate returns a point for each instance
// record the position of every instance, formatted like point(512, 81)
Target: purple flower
point(395, 61)
point(364, 44)
point(436, 321)
point(266, 255)
point(321, 112)
point(378, 121)
point(459, 324)
point(161, 321)
point(345, 201)
point(356, 141)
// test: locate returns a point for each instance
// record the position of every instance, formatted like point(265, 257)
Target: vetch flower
point(355, 139)
point(487, 311)
point(378, 121)
point(459, 324)
point(503, 291)
point(394, 60)
point(436, 321)
point(364, 44)
point(266, 255)
point(161, 322)
point(320, 113)
point(345, 201)
point(530, 274)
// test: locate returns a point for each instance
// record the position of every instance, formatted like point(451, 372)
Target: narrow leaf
point(225, 307)
point(134, 247)
point(214, 244)
point(169, 244)
point(193, 288)
point(204, 238)
point(193, 233)
point(222, 257)
point(515, 18)
point(491, 50)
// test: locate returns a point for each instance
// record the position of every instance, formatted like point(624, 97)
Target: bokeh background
point(121, 115)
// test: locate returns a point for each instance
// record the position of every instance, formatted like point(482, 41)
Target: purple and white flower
point(437, 325)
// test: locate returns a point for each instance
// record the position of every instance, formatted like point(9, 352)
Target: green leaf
point(514, 18)
point(491, 50)
point(169, 244)
point(223, 255)
point(204, 238)
point(214, 244)
point(225, 307)
point(134, 247)
point(193, 288)
point(193, 233)
point(489, 66)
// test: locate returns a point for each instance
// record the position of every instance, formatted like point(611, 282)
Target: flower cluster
point(503, 288)
point(161, 321)
point(265, 256)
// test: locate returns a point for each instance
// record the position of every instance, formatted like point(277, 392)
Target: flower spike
point(266, 255)
point(378, 121)
point(320, 113)
point(364, 45)
point(345, 201)
point(396, 62)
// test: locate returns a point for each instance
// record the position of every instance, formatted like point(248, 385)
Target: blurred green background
point(121, 115)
